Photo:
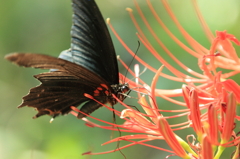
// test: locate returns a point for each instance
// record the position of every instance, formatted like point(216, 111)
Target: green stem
point(219, 152)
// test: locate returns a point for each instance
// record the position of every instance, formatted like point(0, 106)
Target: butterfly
point(88, 67)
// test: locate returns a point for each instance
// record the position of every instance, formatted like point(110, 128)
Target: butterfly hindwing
point(57, 93)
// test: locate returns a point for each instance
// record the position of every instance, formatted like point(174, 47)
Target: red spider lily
point(210, 98)
point(206, 152)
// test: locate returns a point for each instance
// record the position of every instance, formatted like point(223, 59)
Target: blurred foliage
point(43, 26)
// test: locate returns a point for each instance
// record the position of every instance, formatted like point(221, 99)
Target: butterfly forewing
point(91, 45)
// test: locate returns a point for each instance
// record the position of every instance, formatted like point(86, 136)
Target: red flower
point(210, 97)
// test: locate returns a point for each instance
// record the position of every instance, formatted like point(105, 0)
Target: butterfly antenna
point(131, 61)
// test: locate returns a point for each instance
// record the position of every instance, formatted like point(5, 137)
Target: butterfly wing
point(59, 89)
point(91, 44)
point(48, 62)
point(91, 61)
point(57, 92)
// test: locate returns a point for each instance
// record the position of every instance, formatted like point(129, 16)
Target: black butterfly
point(89, 66)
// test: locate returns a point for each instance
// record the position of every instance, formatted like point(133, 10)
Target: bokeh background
point(43, 26)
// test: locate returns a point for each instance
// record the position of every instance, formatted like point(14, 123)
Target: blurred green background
point(43, 26)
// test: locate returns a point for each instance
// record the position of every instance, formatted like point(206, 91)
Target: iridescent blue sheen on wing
point(91, 44)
